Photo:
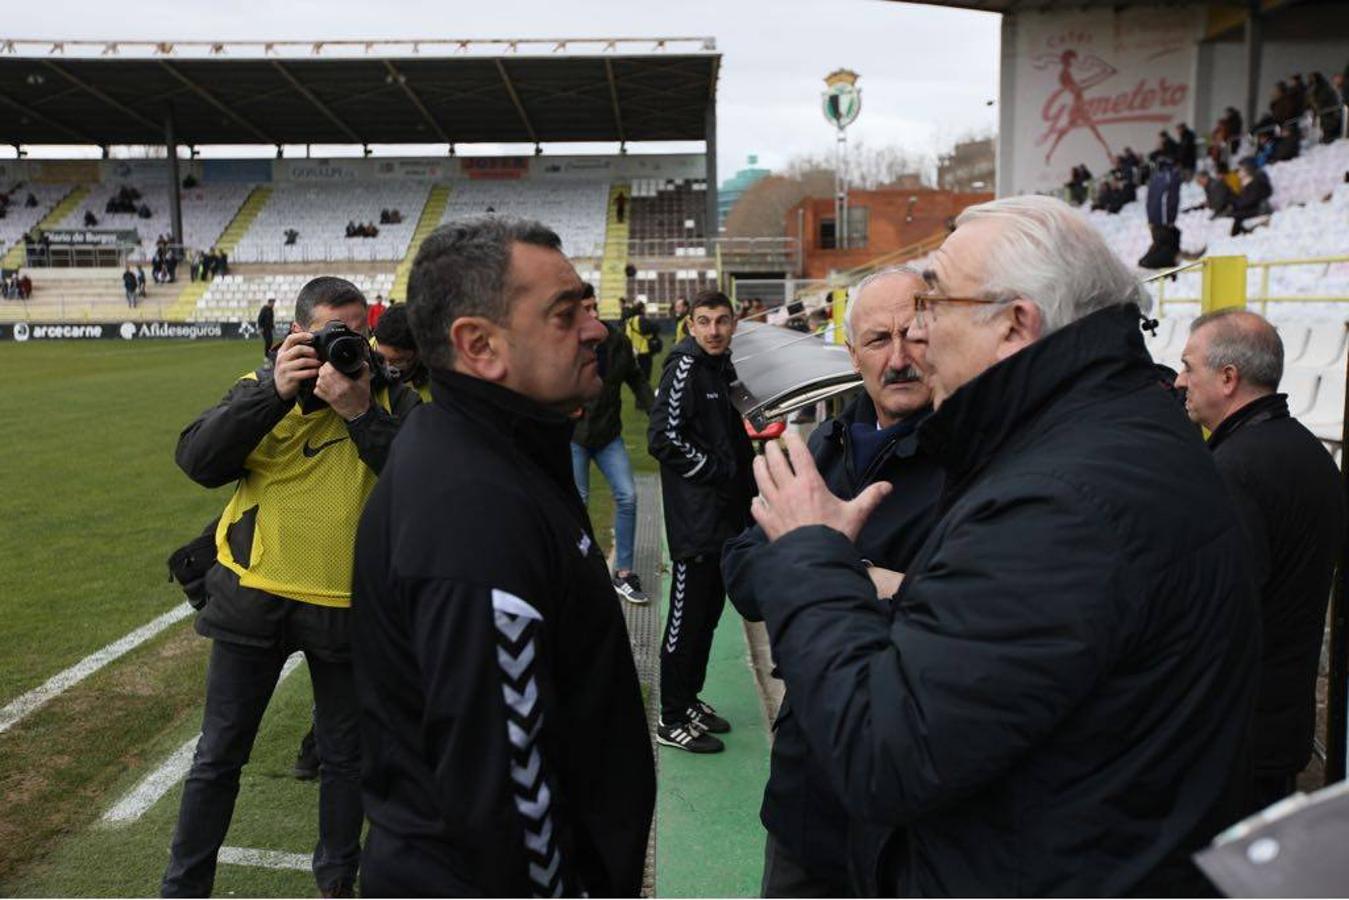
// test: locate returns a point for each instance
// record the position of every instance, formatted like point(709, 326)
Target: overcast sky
point(927, 73)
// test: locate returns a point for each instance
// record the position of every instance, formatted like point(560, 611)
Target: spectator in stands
point(1187, 149)
point(129, 284)
point(598, 436)
point(376, 311)
point(293, 437)
point(620, 207)
point(1225, 138)
point(704, 453)
point(1290, 499)
point(1289, 142)
point(1163, 206)
point(1283, 107)
point(1129, 164)
point(394, 341)
point(1265, 146)
point(90, 220)
point(1070, 663)
point(645, 338)
point(1217, 195)
point(1079, 183)
point(1329, 108)
point(31, 202)
point(351, 228)
point(873, 440)
point(140, 280)
point(25, 286)
point(1166, 148)
point(267, 326)
point(1253, 200)
point(1297, 90)
point(144, 211)
point(292, 236)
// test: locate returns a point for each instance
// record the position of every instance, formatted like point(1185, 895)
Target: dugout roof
point(346, 92)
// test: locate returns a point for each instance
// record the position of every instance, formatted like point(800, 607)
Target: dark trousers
point(239, 684)
point(783, 876)
point(644, 365)
point(266, 341)
point(697, 596)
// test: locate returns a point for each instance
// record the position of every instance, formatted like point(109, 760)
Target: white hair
point(864, 284)
point(1046, 252)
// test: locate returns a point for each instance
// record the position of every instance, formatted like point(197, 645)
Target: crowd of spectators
point(390, 217)
point(16, 286)
point(363, 230)
point(7, 199)
point(206, 266)
point(127, 201)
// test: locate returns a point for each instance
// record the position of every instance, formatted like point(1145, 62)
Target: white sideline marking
point(154, 786)
point(264, 859)
point(25, 704)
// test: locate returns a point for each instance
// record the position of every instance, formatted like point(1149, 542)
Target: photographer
point(305, 443)
point(394, 341)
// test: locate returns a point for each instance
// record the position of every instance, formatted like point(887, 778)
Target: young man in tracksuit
point(507, 748)
point(706, 482)
point(810, 838)
point(304, 462)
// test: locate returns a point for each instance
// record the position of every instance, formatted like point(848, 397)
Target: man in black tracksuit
point(506, 750)
point(874, 439)
point(1289, 498)
point(1059, 699)
point(304, 462)
point(706, 484)
point(267, 324)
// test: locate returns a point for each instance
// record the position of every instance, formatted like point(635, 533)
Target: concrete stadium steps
point(243, 219)
point(18, 254)
point(186, 302)
point(431, 215)
point(613, 277)
point(87, 295)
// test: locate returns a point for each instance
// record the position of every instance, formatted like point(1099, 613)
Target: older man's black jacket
point(505, 746)
point(1290, 498)
point(704, 453)
point(1059, 700)
point(800, 809)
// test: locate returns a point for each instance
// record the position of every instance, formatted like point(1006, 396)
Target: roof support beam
point(515, 98)
point(88, 88)
point(47, 120)
point(317, 103)
point(211, 99)
point(613, 98)
point(401, 80)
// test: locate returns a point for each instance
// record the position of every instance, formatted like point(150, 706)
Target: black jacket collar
point(690, 347)
point(1262, 409)
point(539, 433)
point(862, 411)
point(1093, 357)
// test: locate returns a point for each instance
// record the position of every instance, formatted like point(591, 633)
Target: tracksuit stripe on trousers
point(697, 597)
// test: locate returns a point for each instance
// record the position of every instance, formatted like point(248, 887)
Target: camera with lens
point(337, 344)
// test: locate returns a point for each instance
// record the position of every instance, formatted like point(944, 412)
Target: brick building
point(879, 221)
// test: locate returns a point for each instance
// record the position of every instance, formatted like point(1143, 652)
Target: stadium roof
point(1012, 6)
point(357, 92)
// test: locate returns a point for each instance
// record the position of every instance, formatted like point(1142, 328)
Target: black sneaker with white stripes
point(687, 736)
point(629, 587)
point(706, 718)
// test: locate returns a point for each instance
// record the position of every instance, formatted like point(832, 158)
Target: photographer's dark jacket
point(1059, 699)
point(506, 750)
point(601, 419)
point(1289, 497)
point(303, 478)
point(800, 809)
point(704, 453)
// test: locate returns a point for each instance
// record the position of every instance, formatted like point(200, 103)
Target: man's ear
point(1022, 325)
point(477, 348)
point(1229, 379)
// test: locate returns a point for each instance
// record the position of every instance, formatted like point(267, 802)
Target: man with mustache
point(872, 440)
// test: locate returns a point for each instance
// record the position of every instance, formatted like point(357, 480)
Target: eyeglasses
point(927, 301)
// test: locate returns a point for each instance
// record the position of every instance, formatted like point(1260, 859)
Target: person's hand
point(887, 581)
point(793, 495)
point(296, 362)
point(349, 397)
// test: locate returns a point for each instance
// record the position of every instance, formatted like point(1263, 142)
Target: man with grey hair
point(1289, 499)
point(872, 440)
point(508, 750)
point(1058, 698)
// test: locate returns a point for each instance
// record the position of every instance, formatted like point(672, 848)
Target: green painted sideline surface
point(710, 842)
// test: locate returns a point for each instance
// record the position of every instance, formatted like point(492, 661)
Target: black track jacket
point(1059, 700)
point(505, 746)
point(704, 453)
point(800, 809)
point(1288, 494)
